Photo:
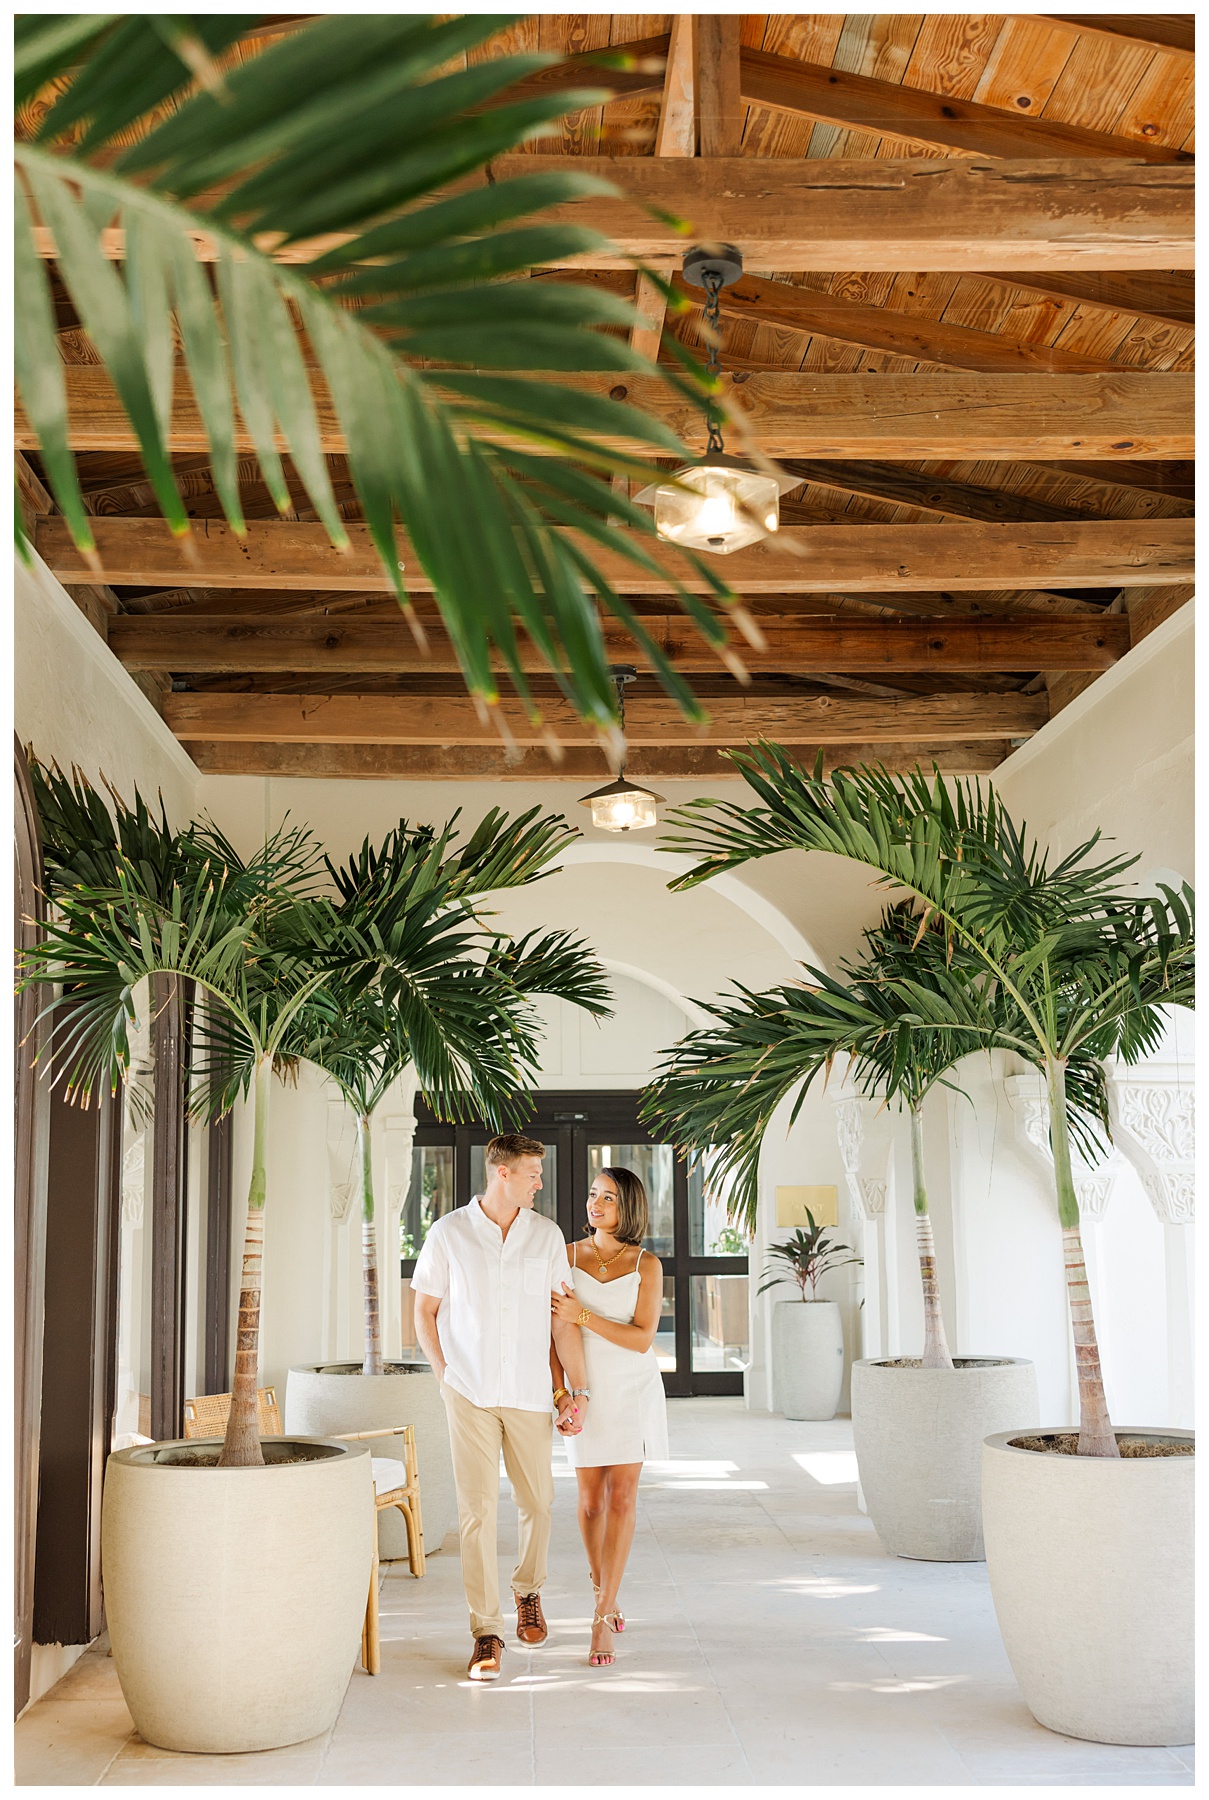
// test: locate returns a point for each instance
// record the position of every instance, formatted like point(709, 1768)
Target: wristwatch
point(577, 1393)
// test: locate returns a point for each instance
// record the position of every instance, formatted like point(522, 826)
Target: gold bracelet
point(584, 1315)
point(561, 1394)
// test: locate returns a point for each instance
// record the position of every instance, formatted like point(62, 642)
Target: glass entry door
point(702, 1340)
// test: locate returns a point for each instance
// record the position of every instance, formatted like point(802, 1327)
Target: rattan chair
point(396, 1483)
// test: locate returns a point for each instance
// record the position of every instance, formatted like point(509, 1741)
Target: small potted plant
point(807, 1333)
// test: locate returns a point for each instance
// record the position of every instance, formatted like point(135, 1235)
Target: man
point(482, 1284)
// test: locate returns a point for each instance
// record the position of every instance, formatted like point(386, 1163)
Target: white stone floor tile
point(771, 1642)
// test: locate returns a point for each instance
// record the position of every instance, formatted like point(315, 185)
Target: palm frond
point(341, 142)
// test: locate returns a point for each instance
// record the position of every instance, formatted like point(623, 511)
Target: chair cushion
point(388, 1474)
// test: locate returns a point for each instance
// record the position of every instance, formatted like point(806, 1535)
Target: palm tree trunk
point(936, 1345)
point(369, 1252)
point(1096, 1435)
point(241, 1445)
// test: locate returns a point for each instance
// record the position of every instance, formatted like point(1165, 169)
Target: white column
point(397, 1136)
point(864, 1130)
point(342, 1247)
point(1152, 1112)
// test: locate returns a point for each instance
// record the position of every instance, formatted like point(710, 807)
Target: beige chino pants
point(477, 1434)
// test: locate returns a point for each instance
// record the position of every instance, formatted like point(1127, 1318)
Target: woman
point(616, 1297)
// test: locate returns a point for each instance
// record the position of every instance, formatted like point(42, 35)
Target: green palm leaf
point(347, 131)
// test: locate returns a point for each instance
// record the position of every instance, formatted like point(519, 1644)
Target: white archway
point(761, 912)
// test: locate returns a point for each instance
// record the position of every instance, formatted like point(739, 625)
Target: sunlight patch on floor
point(829, 1468)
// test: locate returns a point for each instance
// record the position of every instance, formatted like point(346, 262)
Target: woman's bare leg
point(592, 1517)
point(621, 1502)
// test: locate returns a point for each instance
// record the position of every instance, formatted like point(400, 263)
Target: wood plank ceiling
point(980, 369)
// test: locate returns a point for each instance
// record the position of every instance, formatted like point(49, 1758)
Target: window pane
point(429, 1197)
point(720, 1327)
point(547, 1195)
point(407, 1311)
point(665, 1331)
point(710, 1232)
point(652, 1163)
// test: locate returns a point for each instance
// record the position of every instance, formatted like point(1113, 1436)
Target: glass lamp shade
point(622, 806)
point(719, 504)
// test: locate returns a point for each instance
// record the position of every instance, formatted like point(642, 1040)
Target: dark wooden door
point(29, 1243)
point(702, 1338)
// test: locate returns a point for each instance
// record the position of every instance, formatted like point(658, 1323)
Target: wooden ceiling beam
point(797, 647)
point(650, 722)
point(586, 768)
point(888, 109)
point(1167, 299)
point(1175, 478)
point(1162, 31)
point(807, 310)
point(675, 135)
point(716, 72)
point(1131, 414)
point(821, 558)
point(927, 493)
point(815, 213)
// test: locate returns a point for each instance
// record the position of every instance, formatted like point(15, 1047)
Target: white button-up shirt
point(494, 1316)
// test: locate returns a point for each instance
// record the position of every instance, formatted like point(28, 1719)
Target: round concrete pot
point(325, 1399)
point(235, 1597)
point(807, 1358)
point(1090, 1563)
point(918, 1439)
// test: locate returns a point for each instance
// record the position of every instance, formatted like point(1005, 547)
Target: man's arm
point(427, 1336)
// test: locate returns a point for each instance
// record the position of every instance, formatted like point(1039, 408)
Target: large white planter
point(918, 1439)
point(325, 1399)
point(235, 1597)
point(1090, 1563)
point(807, 1358)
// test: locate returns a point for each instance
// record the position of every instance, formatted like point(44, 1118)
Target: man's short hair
point(509, 1147)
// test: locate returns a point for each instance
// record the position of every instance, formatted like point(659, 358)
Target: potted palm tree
point(460, 1020)
point(207, 1546)
point(807, 1339)
point(1088, 1533)
point(918, 1421)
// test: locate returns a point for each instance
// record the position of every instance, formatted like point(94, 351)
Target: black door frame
point(568, 1120)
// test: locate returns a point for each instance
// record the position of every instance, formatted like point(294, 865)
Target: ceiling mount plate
point(709, 259)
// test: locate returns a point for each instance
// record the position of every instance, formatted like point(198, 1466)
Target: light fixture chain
point(713, 322)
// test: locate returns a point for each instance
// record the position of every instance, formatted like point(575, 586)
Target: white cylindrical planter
point(1090, 1564)
point(807, 1358)
point(325, 1399)
point(918, 1439)
point(235, 1597)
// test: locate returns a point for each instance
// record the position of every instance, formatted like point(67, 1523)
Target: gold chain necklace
point(600, 1259)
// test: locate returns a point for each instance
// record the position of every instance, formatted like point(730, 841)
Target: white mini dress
point(627, 1416)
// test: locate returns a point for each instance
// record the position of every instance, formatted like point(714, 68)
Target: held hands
point(569, 1422)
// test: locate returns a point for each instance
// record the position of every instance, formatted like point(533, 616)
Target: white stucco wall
point(75, 703)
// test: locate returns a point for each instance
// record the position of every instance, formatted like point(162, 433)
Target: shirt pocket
point(537, 1274)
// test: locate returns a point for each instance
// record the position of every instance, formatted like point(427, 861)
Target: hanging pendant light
point(720, 503)
point(623, 805)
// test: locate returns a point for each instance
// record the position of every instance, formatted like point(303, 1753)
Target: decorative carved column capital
point(1094, 1182)
point(1153, 1116)
point(864, 1129)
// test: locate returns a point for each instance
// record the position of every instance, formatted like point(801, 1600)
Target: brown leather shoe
point(530, 1620)
point(484, 1665)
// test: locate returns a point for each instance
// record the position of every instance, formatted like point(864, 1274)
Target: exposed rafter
point(650, 722)
point(1042, 417)
point(173, 642)
point(811, 559)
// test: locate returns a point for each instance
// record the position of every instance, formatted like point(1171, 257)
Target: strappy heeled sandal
point(601, 1659)
point(620, 1625)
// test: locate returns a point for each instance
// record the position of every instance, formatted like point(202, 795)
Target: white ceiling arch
point(728, 887)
